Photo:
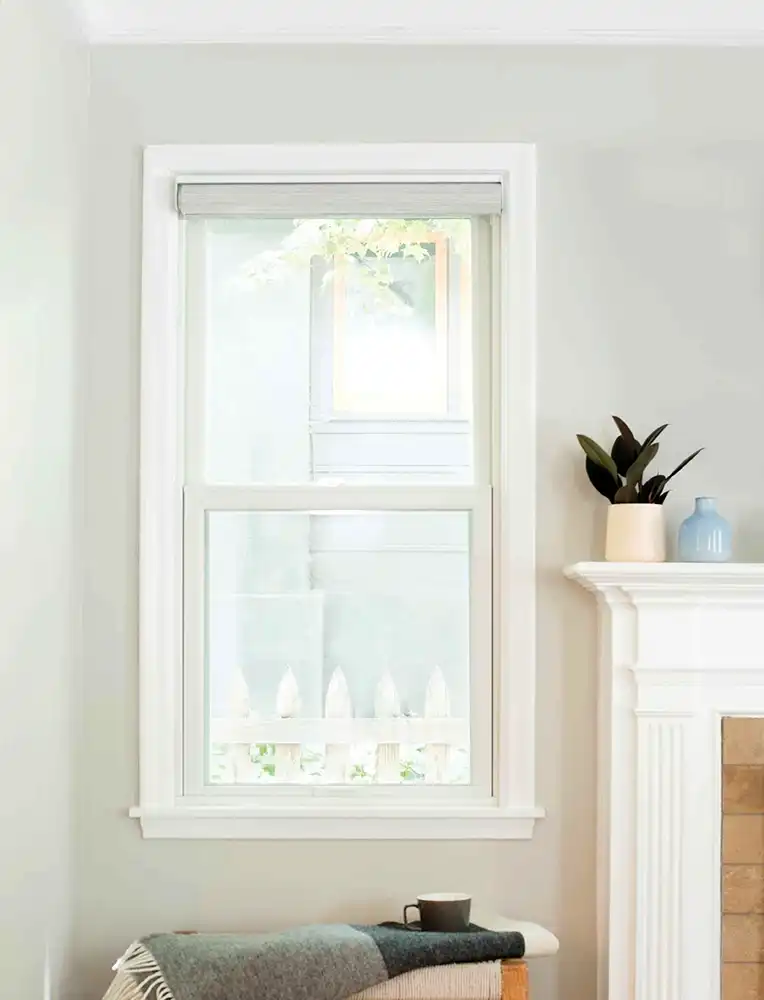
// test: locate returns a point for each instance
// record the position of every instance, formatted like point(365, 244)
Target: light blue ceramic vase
point(705, 536)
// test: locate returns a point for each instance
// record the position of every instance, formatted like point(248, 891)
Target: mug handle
point(411, 906)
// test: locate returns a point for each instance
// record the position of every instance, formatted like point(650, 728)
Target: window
point(337, 503)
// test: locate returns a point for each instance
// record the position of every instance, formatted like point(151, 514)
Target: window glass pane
point(334, 350)
point(338, 647)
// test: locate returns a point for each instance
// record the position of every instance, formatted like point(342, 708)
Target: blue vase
point(705, 536)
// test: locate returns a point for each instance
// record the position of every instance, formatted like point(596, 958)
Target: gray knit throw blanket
point(322, 962)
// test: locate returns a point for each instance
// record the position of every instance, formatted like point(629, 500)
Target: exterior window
point(408, 355)
point(325, 540)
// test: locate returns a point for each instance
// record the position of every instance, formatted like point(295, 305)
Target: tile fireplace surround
point(681, 658)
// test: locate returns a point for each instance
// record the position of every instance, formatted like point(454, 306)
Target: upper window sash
point(473, 309)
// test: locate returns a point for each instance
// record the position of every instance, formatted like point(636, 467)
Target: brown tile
point(743, 741)
point(742, 981)
point(743, 788)
point(743, 937)
point(743, 889)
point(743, 840)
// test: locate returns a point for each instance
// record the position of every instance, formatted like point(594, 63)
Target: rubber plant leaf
point(627, 434)
point(598, 455)
point(654, 435)
point(682, 464)
point(623, 454)
point(626, 494)
point(651, 488)
point(634, 475)
point(601, 479)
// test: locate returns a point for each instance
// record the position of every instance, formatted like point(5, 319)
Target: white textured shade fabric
point(330, 200)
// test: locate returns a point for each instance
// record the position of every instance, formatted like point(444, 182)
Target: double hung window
point(326, 536)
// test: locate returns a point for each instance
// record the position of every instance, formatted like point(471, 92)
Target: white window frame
point(164, 810)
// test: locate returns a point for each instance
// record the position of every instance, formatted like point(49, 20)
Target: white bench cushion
point(539, 942)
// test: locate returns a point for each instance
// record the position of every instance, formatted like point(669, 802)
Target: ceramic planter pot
point(636, 532)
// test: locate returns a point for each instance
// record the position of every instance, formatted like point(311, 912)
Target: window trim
point(163, 810)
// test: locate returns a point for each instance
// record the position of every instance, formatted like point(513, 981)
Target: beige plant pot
point(636, 532)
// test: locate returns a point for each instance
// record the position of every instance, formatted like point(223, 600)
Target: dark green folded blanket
point(322, 962)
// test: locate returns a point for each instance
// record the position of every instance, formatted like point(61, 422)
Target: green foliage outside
point(361, 771)
point(368, 244)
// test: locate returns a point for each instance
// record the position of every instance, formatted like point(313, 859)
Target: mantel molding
point(681, 647)
point(671, 582)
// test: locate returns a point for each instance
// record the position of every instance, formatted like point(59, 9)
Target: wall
point(43, 102)
point(651, 191)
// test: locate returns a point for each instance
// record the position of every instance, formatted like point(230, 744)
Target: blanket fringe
point(138, 977)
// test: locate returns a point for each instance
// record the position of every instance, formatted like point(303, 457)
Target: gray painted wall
point(43, 103)
point(651, 190)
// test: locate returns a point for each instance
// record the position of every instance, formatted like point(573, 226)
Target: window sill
point(215, 822)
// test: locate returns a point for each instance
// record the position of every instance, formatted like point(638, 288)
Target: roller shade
point(354, 200)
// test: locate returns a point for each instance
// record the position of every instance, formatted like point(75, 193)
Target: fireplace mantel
point(681, 646)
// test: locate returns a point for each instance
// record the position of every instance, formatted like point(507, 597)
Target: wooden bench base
point(514, 981)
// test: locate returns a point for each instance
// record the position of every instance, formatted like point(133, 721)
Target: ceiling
point(681, 22)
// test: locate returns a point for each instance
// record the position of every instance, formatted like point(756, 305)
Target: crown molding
point(183, 34)
point(429, 22)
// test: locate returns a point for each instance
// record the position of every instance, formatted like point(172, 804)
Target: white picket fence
point(338, 731)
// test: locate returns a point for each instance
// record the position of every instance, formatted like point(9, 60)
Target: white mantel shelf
point(679, 577)
point(681, 647)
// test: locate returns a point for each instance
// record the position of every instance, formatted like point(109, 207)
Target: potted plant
point(635, 527)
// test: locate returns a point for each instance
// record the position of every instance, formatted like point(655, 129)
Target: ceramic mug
point(441, 911)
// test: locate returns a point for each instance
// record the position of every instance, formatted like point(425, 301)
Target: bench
point(506, 980)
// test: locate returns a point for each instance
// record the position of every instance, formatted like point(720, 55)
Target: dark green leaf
point(653, 436)
point(623, 454)
point(634, 475)
point(598, 455)
point(652, 487)
point(626, 494)
point(627, 435)
point(601, 479)
point(685, 462)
